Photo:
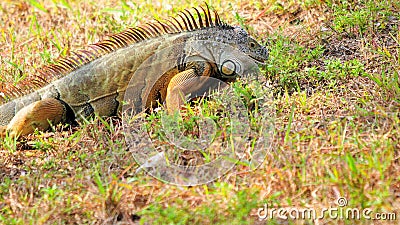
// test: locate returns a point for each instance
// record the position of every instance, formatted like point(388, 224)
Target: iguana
point(94, 80)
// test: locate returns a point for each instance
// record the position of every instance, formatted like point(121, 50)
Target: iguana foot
point(37, 115)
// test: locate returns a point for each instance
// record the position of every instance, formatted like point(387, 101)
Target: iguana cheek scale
point(94, 80)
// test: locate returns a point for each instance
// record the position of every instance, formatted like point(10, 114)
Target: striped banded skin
point(94, 80)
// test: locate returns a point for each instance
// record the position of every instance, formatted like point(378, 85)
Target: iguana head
point(248, 45)
point(232, 49)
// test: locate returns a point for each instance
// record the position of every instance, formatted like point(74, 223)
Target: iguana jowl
point(94, 81)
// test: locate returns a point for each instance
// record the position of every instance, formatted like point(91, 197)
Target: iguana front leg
point(189, 82)
point(37, 115)
point(178, 86)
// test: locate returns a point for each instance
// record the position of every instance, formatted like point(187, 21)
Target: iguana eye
point(228, 68)
point(252, 44)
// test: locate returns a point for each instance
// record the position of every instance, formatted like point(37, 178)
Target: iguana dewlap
point(94, 81)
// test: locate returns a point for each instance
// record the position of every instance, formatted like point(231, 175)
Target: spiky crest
point(130, 36)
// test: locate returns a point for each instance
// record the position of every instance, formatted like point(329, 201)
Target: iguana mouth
point(258, 59)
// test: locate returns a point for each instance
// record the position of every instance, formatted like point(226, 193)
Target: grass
point(333, 72)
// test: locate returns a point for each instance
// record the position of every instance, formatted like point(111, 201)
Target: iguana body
point(94, 81)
